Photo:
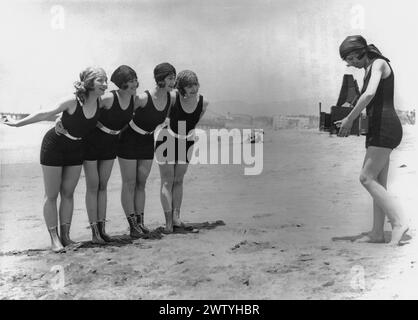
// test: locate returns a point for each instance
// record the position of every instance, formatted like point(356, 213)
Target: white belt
point(106, 129)
point(138, 129)
point(180, 136)
point(71, 137)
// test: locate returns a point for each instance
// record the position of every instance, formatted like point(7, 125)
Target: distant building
point(238, 121)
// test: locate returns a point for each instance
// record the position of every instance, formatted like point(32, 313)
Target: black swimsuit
point(59, 150)
point(385, 129)
point(101, 145)
point(134, 145)
point(179, 118)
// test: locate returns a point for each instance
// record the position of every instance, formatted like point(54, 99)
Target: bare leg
point(97, 177)
point(375, 162)
point(52, 182)
point(128, 173)
point(179, 172)
point(377, 234)
point(70, 177)
point(105, 169)
point(143, 171)
point(166, 196)
point(92, 189)
point(378, 214)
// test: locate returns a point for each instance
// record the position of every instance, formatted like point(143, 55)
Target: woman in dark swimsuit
point(136, 145)
point(62, 155)
point(186, 112)
point(384, 133)
point(102, 146)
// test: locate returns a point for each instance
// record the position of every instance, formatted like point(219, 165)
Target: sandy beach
point(276, 241)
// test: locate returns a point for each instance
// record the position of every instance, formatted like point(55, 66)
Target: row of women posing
point(95, 128)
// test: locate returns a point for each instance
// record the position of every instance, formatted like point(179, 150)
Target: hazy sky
point(249, 50)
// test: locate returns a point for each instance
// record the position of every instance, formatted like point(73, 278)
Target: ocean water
point(22, 145)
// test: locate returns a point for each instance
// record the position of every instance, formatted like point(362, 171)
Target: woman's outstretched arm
point(42, 115)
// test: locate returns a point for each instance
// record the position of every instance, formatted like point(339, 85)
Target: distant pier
point(15, 116)
point(18, 116)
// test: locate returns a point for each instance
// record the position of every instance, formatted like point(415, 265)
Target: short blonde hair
point(86, 82)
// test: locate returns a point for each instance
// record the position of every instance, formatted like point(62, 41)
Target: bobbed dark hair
point(185, 79)
point(122, 75)
point(161, 71)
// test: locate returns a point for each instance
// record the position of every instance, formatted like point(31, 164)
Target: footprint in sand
point(274, 269)
point(324, 248)
point(251, 231)
point(251, 246)
point(263, 215)
point(197, 281)
point(29, 252)
point(242, 279)
point(304, 257)
point(328, 284)
point(290, 268)
point(291, 225)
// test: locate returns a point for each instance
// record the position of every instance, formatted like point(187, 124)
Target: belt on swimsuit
point(71, 137)
point(138, 129)
point(106, 129)
point(180, 136)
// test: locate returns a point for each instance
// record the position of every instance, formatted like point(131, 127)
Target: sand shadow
point(246, 246)
point(121, 240)
point(194, 227)
point(354, 238)
point(117, 241)
point(124, 239)
point(28, 252)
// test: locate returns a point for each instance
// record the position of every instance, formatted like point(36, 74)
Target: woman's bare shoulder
point(141, 100)
point(107, 100)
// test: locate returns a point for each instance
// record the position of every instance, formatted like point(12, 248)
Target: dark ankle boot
point(56, 244)
point(96, 238)
point(140, 222)
point(65, 234)
point(134, 231)
point(101, 226)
